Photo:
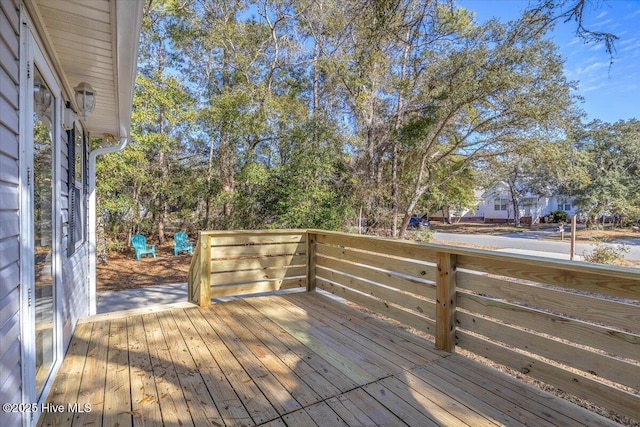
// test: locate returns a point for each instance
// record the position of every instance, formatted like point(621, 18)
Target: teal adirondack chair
point(181, 244)
point(139, 243)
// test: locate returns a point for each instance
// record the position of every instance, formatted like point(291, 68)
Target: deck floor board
point(297, 360)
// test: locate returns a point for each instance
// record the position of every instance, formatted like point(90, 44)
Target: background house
point(496, 206)
point(47, 174)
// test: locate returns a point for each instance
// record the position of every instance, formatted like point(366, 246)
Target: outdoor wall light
point(85, 99)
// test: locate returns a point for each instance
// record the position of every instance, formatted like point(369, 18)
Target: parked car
point(416, 222)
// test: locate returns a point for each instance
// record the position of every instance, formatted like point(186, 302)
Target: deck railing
point(229, 263)
point(573, 325)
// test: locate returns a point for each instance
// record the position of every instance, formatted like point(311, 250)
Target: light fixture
point(85, 99)
point(41, 96)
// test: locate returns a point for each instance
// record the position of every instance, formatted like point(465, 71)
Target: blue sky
point(611, 92)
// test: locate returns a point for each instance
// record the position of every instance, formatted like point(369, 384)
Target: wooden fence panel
point(411, 318)
point(582, 306)
point(247, 262)
point(616, 342)
point(595, 391)
point(562, 352)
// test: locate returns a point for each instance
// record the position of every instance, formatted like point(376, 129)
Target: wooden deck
point(288, 360)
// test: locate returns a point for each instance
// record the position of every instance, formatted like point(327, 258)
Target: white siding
point(10, 368)
point(74, 287)
point(75, 290)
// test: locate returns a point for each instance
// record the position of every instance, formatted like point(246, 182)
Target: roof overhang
point(93, 41)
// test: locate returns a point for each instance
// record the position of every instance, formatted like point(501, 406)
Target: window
point(564, 204)
point(500, 204)
point(77, 181)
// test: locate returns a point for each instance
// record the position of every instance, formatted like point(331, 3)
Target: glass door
point(43, 228)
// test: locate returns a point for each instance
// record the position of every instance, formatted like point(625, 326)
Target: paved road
point(529, 241)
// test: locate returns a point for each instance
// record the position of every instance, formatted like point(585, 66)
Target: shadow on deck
point(301, 359)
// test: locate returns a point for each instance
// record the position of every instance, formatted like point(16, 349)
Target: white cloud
point(602, 23)
point(591, 68)
point(632, 47)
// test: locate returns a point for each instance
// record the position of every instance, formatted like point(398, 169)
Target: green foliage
point(420, 235)
point(612, 154)
point(605, 253)
point(558, 216)
point(300, 114)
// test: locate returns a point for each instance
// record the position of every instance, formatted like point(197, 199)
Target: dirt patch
point(122, 270)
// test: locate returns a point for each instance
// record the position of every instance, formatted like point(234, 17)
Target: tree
point(540, 166)
point(485, 92)
point(613, 152)
point(552, 11)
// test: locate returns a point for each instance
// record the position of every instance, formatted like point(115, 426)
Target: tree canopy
point(297, 113)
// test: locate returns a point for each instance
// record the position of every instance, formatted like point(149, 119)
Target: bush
point(423, 234)
point(607, 254)
point(558, 216)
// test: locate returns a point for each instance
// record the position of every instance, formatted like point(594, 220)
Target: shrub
point(558, 216)
point(423, 234)
point(607, 254)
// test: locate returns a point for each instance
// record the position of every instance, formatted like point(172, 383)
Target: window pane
point(43, 118)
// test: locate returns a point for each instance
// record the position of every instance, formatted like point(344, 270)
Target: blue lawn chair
point(181, 244)
point(139, 243)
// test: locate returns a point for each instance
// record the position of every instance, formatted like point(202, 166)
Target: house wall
point(10, 349)
point(73, 285)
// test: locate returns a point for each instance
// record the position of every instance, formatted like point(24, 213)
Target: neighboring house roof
point(94, 42)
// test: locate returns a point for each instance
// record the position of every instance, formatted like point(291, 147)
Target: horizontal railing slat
point(402, 283)
point(413, 319)
point(389, 295)
point(397, 248)
point(256, 239)
point(606, 339)
point(609, 312)
point(595, 391)
point(594, 280)
point(231, 277)
point(227, 252)
point(586, 360)
point(256, 287)
point(422, 271)
point(240, 264)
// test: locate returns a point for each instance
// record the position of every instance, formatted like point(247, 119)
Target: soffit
point(95, 41)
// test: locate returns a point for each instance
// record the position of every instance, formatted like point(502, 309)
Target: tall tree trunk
point(226, 160)
point(514, 202)
point(162, 201)
point(418, 191)
point(394, 142)
point(207, 212)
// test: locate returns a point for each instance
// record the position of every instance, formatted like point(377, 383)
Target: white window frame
point(563, 202)
point(32, 55)
point(77, 183)
point(500, 204)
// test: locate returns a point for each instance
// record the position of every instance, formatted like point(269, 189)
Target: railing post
point(311, 261)
point(446, 302)
point(204, 293)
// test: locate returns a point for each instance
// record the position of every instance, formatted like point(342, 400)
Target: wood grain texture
point(446, 302)
point(299, 359)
